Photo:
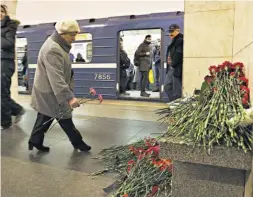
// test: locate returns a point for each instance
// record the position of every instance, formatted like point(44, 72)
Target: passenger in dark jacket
point(173, 83)
point(124, 64)
point(144, 56)
point(9, 107)
point(157, 65)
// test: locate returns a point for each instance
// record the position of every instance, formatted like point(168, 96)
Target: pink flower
point(93, 91)
point(100, 98)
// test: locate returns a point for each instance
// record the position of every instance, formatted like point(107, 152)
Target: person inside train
point(25, 66)
point(52, 93)
point(157, 64)
point(124, 64)
point(130, 77)
point(143, 61)
point(72, 57)
point(9, 107)
point(173, 81)
point(79, 58)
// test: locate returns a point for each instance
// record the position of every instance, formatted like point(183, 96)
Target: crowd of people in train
point(53, 87)
point(147, 58)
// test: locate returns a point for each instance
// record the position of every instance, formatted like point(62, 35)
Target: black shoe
point(6, 126)
point(144, 94)
point(40, 147)
point(82, 146)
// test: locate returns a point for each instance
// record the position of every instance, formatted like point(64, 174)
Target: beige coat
point(52, 83)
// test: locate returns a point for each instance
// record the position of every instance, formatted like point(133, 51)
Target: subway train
point(95, 53)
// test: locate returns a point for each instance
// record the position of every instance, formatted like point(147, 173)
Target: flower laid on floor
point(145, 174)
point(214, 117)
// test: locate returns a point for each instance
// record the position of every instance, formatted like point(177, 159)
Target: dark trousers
point(173, 86)
point(39, 130)
point(9, 107)
point(123, 81)
point(157, 75)
point(144, 80)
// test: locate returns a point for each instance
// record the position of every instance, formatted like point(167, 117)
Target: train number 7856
point(101, 76)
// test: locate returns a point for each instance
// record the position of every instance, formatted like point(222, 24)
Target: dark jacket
point(175, 51)
point(157, 56)
point(124, 60)
point(24, 61)
point(8, 33)
point(145, 60)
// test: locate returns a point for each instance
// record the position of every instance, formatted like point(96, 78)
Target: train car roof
point(97, 22)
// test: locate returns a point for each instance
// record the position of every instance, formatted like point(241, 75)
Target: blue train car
point(99, 38)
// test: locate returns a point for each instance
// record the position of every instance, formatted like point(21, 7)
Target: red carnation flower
point(238, 65)
point(221, 67)
point(213, 69)
point(244, 79)
point(245, 89)
point(227, 64)
point(232, 74)
point(208, 79)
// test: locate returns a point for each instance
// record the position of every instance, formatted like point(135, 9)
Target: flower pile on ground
point(214, 117)
point(145, 174)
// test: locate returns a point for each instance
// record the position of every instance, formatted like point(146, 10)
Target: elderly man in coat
point(52, 93)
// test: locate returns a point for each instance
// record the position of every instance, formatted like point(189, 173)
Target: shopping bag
point(151, 77)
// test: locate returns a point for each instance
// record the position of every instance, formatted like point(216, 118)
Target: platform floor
point(63, 171)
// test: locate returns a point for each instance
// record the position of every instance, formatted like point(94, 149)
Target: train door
point(130, 85)
point(22, 60)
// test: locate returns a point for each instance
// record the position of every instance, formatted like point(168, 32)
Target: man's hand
point(169, 60)
point(74, 103)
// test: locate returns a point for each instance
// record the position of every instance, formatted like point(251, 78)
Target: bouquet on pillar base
point(220, 114)
point(142, 172)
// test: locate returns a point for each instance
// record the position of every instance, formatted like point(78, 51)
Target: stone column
point(243, 38)
point(12, 5)
point(208, 39)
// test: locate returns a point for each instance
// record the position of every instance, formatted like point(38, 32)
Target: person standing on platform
point(143, 56)
point(124, 64)
point(173, 81)
point(52, 92)
point(9, 107)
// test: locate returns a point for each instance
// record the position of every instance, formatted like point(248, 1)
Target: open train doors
point(131, 41)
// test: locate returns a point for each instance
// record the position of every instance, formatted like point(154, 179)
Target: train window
point(81, 51)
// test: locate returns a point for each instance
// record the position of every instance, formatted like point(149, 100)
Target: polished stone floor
point(63, 171)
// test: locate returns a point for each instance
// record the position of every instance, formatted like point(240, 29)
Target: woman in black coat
point(9, 107)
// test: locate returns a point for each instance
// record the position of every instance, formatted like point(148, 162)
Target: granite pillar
point(224, 173)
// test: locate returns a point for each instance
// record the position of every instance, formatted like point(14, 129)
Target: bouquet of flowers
point(214, 117)
point(144, 173)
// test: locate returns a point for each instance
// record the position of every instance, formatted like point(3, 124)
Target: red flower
point(208, 79)
point(154, 190)
point(130, 164)
point(238, 65)
point(100, 98)
point(125, 195)
point(244, 101)
point(222, 67)
point(244, 80)
point(227, 64)
point(155, 149)
point(140, 156)
point(245, 89)
point(232, 74)
point(93, 91)
point(213, 69)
